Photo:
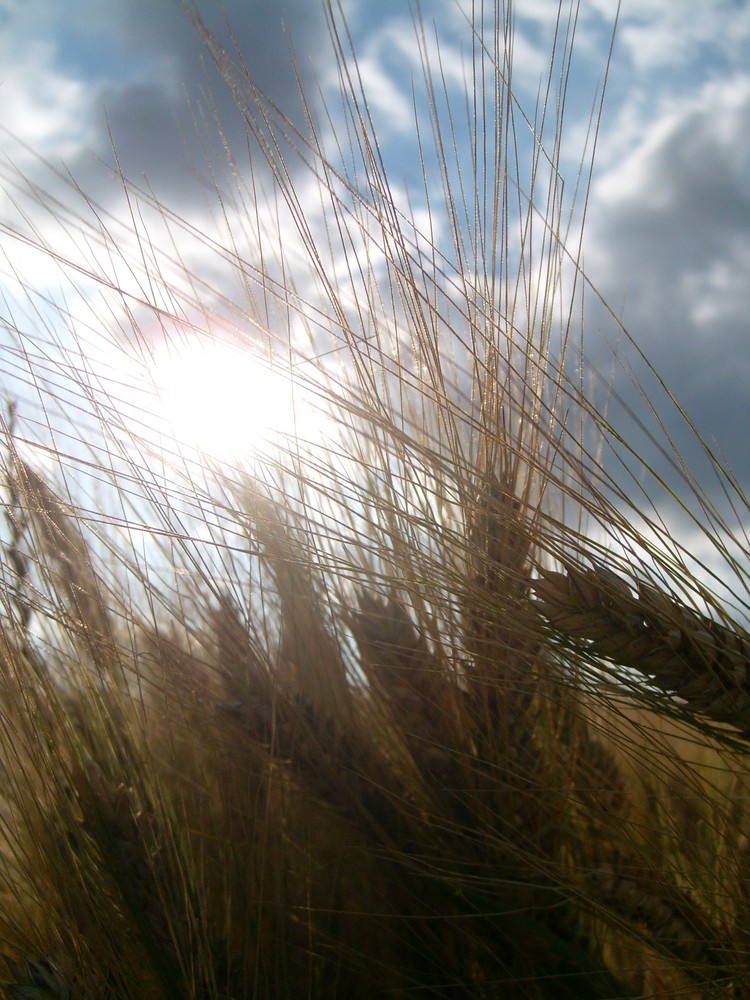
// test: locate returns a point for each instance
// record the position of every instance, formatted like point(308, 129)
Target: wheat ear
point(649, 899)
point(70, 566)
point(128, 841)
point(681, 651)
point(35, 980)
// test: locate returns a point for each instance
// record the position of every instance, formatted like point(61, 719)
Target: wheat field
point(416, 703)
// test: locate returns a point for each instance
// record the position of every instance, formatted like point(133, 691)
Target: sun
point(225, 400)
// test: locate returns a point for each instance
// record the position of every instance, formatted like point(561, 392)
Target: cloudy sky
point(668, 228)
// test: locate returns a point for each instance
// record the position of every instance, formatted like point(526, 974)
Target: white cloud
point(681, 194)
point(384, 96)
point(667, 234)
point(48, 109)
point(658, 35)
point(717, 294)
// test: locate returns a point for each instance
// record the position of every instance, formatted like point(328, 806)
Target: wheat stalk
point(681, 651)
point(355, 750)
point(35, 979)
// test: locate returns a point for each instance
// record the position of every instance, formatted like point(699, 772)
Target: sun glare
point(225, 400)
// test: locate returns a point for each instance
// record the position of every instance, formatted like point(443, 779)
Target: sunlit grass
point(339, 659)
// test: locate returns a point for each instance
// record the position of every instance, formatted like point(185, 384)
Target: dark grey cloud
point(151, 84)
point(668, 246)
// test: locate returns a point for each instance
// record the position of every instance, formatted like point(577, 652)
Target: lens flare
point(224, 399)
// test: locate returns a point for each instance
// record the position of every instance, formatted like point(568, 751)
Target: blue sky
point(668, 231)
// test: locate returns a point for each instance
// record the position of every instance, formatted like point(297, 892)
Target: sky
point(667, 238)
